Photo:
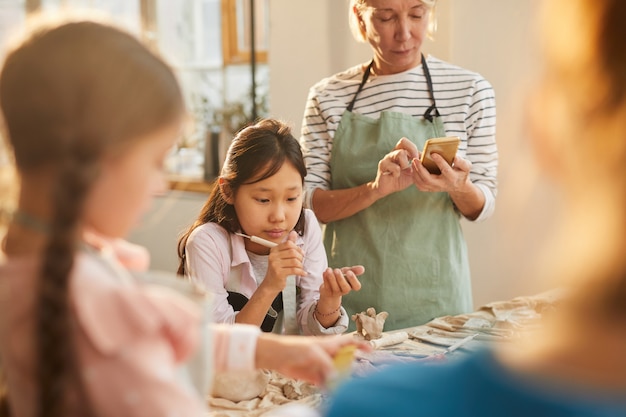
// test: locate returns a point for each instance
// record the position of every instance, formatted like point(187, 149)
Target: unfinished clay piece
point(369, 324)
point(240, 386)
point(389, 339)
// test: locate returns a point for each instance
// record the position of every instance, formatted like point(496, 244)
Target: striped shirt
point(465, 100)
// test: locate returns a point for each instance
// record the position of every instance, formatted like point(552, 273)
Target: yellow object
point(343, 359)
point(343, 365)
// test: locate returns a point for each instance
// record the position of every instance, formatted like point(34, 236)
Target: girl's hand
point(339, 282)
point(453, 179)
point(309, 358)
point(284, 260)
point(394, 170)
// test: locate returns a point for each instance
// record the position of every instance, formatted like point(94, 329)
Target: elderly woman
point(361, 134)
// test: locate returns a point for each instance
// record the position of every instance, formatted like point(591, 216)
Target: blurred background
point(242, 59)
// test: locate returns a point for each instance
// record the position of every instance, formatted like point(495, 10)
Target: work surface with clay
point(441, 339)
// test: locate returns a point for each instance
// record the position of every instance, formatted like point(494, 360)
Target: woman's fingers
point(395, 162)
point(409, 147)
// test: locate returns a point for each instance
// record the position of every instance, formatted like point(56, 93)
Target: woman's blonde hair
point(358, 6)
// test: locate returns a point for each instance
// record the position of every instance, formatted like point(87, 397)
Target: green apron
point(410, 242)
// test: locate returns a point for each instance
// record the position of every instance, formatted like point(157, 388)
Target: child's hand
point(339, 282)
point(308, 358)
point(284, 260)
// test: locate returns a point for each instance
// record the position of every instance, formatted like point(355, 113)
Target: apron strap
point(366, 75)
point(238, 301)
point(428, 114)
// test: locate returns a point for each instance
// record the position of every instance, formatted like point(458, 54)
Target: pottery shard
point(369, 324)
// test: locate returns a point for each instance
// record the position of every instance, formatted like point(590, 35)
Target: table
point(497, 322)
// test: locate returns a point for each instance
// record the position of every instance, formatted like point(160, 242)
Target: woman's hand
point(284, 260)
point(309, 358)
point(395, 170)
point(453, 179)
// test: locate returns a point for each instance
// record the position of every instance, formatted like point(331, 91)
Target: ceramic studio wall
point(310, 40)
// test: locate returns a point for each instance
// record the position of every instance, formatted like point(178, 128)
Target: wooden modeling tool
point(262, 242)
point(258, 240)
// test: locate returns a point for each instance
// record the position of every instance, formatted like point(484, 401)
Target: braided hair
point(71, 93)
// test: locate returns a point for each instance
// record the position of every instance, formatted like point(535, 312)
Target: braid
point(57, 368)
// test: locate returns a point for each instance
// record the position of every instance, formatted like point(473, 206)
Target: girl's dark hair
point(70, 94)
point(257, 152)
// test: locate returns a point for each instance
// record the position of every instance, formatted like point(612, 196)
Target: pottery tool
point(263, 242)
point(258, 240)
point(460, 343)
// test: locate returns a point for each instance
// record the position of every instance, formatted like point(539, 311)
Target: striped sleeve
point(316, 141)
point(325, 105)
point(482, 151)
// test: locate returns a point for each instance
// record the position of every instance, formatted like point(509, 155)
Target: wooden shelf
point(191, 185)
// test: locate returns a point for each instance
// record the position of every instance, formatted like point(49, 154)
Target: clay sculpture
point(369, 324)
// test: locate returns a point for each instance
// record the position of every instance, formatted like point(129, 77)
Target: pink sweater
point(132, 340)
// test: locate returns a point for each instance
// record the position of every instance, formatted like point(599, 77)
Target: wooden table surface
point(497, 322)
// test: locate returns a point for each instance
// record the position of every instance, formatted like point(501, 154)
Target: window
point(238, 27)
point(208, 43)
